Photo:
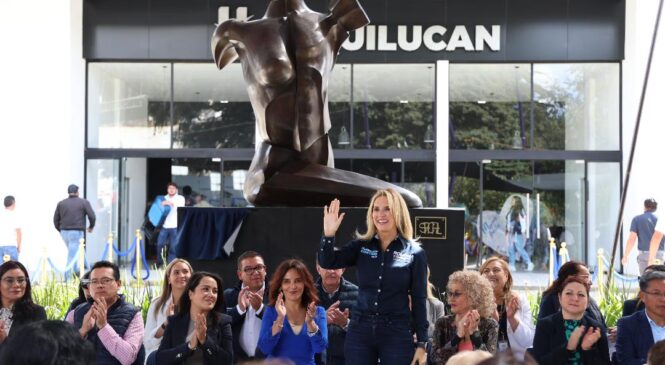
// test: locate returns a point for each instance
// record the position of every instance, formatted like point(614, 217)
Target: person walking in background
point(392, 275)
point(10, 230)
point(642, 228)
point(169, 231)
point(337, 296)
point(69, 220)
point(516, 228)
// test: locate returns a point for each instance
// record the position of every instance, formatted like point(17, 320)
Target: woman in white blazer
point(516, 329)
point(176, 277)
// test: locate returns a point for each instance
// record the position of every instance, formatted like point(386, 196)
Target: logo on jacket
point(372, 253)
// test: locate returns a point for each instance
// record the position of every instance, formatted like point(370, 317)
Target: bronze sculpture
point(287, 58)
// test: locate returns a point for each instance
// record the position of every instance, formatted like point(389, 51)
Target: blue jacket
point(217, 349)
point(298, 348)
point(634, 339)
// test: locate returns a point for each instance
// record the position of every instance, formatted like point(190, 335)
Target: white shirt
point(521, 339)
point(172, 219)
point(249, 333)
point(152, 325)
point(8, 226)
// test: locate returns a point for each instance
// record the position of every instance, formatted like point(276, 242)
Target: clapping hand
point(337, 317)
point(99, 308)
point(575, 338)
point(88, 321)
point(201, 327)
point(311, 313)
point(255, 299)
point(473, 318)
point(512, 306)
point(243, 300)
point(280, 307)
point(590, 338)
point(332, 218)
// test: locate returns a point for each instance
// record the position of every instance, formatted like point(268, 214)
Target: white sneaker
point(529, 266)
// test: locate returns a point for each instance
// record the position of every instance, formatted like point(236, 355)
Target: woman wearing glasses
point(176, 277)
point(470, 326)
point(17, 307)
point(391, 269)
point(571, 336)
point(549, 304)
point(199, 333)
point(512, 310)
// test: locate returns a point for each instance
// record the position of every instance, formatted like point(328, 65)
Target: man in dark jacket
point(245, 304)
point(69, 220)
point(337, 296)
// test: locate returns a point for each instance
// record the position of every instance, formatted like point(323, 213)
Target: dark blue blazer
point(634, 339)
point(549, 342)
point(217, 349)
point(631, 306)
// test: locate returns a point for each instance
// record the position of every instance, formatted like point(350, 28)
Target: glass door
point(102, 191)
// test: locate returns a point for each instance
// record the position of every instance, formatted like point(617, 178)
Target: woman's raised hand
point(280, 307)
point(590, 338)
point(331, 218)
point(574, 339)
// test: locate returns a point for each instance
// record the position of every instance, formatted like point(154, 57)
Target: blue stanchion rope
point(618, 275)
point(69, 265)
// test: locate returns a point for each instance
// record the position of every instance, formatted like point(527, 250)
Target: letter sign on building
point(434, 228)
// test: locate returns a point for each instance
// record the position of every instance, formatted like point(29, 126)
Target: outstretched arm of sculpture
point(223, 44)
point(349, 14)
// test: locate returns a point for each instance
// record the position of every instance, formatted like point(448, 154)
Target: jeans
point(72, 239)
point(517, 243)
point(166, 235)
point(152, 359)
point(11, 251)
point(373, 337)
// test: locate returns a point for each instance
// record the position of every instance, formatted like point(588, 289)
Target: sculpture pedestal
point(287, 232)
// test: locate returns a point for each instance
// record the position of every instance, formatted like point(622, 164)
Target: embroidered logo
point(372, 253)
point(402, 258)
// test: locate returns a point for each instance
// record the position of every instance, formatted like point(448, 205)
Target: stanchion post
point(6, 258)
point(552, 258)
point(109, 242)
point(139, 277)
point(81, 258)
point(601, 285)
point(43, 276)
point(563, 254)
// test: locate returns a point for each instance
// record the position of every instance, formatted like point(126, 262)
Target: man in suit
point(245, 304)
point(633, 305)
point(638, 332)
point(337, 296)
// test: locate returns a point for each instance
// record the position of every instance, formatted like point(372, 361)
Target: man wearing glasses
point(114, 326)
point(638, 332)
point(245, 305)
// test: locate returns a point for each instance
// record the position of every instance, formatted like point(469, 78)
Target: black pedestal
point(281, 233)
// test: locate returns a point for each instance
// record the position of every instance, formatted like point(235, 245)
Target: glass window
point(393, 105)
point(489, 106)
point(199, 180)
point(604, 198)
point(129, 105)
point(386, 170)
point(464, 185)
point(234, 181)
point(211, 107)
point(419, 178)
point(339, 107)
point(577, 106)
point(102, 191)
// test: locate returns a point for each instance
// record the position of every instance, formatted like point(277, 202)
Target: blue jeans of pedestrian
point(72, 240)
point(517, 244)
point(373, 337)
point(167, 236)
point(12, 251)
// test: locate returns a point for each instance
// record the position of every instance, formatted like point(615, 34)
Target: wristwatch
point(422, 345)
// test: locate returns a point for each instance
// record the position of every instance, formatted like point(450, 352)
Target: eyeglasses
point(257, 268)
point(657, 294)
point(454, 294)
point(10, 281)
point(102, 281)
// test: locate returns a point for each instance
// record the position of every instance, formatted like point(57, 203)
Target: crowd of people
point(390, 317)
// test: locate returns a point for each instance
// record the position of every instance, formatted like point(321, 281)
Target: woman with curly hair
point(512, 310)
point(16, 306)
point(293, 326)
point(470, 326)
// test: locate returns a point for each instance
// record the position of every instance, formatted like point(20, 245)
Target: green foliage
point(534, 299)
point(56, 295)
point(611, 303)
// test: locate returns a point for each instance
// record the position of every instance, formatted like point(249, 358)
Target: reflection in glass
point(234, 181)
point(393, 105)
point(129, 105)
point(603, 204)
point(212, 109)
point(339, 106)
point(419, 178)
point(464, 185)
point(102, 182)
point(199, 181)
point(489, 106)
point(577, 106)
